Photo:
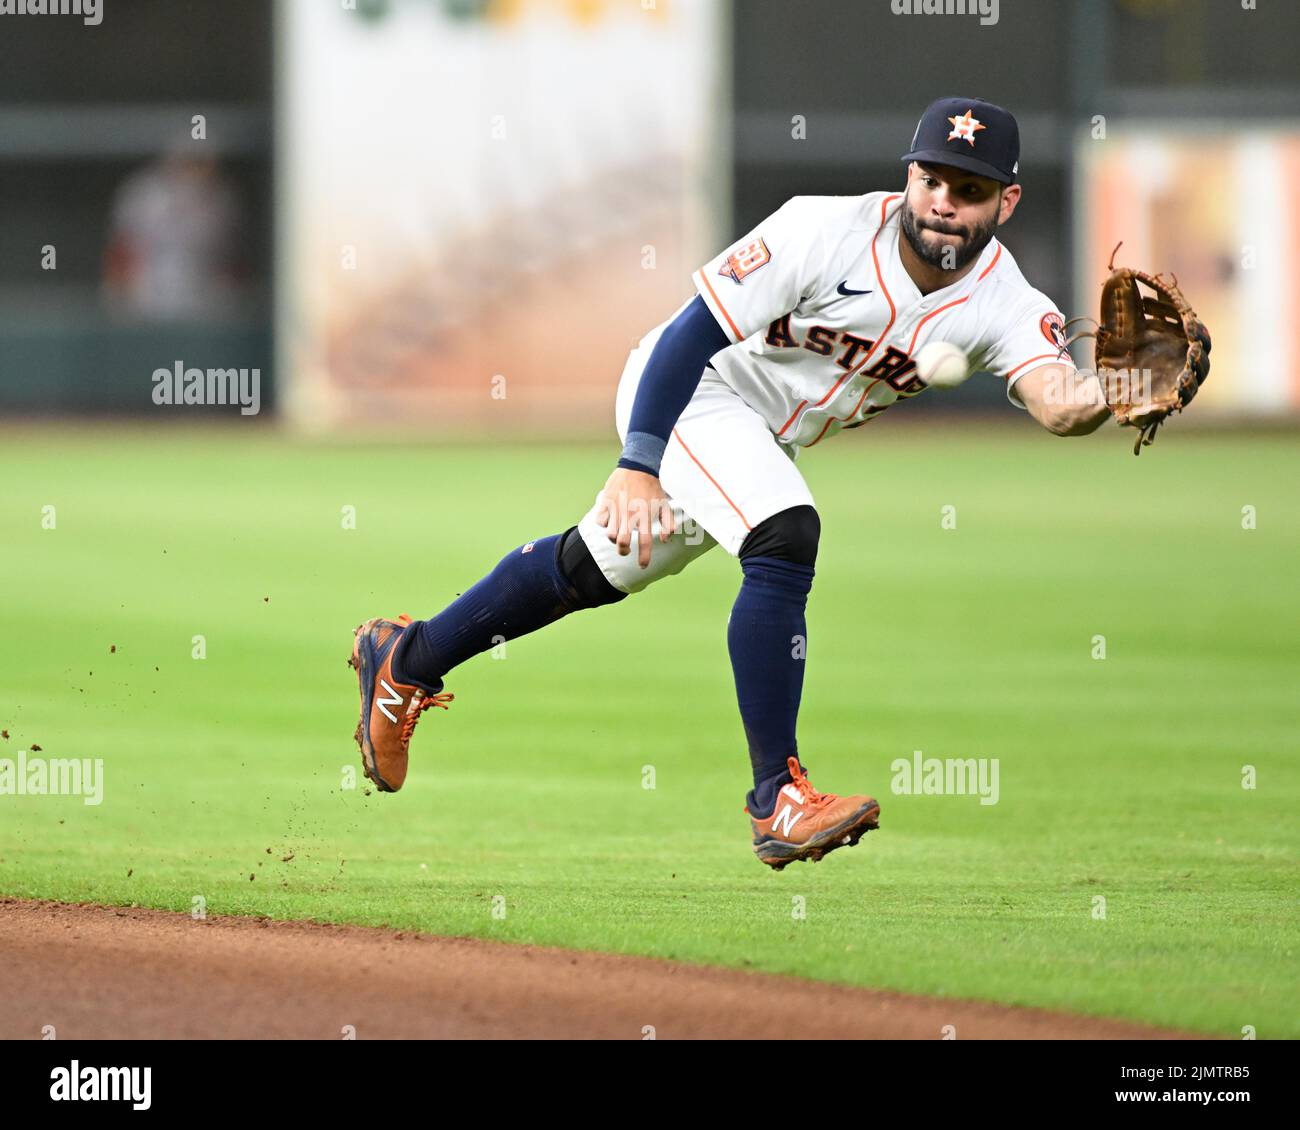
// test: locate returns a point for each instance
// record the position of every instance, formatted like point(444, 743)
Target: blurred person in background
point(173, 247)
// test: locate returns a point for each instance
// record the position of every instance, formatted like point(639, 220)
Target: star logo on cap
point(964, 127)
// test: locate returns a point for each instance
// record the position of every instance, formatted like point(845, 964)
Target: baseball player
point(806, 326)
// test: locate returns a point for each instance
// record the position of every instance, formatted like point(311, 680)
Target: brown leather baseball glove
point(1152, 352)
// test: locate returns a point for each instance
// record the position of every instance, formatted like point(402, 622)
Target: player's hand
point(632, 500)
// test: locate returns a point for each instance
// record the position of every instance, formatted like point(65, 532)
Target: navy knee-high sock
point(526, 591)
point(767, 637)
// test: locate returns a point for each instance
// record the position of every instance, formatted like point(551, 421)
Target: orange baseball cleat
point(806, 824)
point(389, 709)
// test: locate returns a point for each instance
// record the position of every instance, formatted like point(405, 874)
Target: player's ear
point(1008, 198)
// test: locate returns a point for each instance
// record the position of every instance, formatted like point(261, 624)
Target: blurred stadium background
point(389, 206)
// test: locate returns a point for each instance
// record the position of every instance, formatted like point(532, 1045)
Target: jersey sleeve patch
point(1053, 327)
point(745, 260)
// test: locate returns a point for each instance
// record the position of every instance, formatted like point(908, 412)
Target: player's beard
point(973, 240)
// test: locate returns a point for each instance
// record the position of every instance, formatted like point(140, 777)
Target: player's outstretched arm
point(1067, 402)
point(632, 500)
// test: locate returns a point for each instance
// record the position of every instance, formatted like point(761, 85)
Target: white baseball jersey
point(827, 322)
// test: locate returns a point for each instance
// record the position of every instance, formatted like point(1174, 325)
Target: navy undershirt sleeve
point(669, 381)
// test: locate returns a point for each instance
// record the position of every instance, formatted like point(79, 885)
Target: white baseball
point(942, 365)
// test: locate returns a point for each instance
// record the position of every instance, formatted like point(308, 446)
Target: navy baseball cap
point(971, 134)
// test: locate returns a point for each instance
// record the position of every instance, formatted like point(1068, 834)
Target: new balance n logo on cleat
point(785, 820)
point(385, 703)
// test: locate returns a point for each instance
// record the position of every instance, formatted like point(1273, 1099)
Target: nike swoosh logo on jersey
point(844, 290)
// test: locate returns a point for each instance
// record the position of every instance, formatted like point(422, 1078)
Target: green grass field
point(1120, 778)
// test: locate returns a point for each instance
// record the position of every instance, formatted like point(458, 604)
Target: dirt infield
point(96, 972)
